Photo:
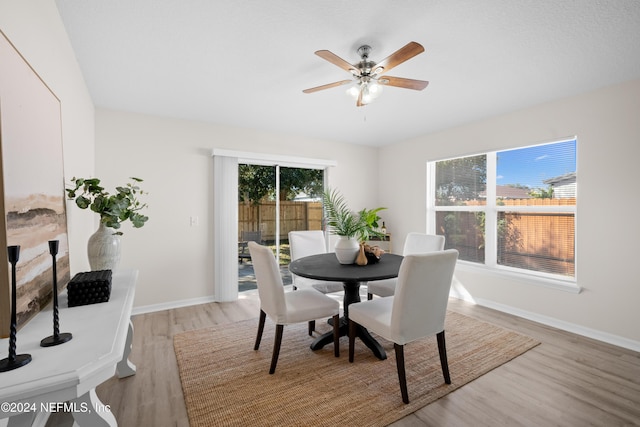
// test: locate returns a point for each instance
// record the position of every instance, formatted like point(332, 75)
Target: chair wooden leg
point(442, 349)
point(276, 348)
point(352, 339)
point(369, 296)
point(312, 327)
point(263, 316)
point(402, 377)
point(336, 335)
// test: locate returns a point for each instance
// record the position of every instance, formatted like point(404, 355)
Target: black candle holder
point(57, 337)
point(13, 361)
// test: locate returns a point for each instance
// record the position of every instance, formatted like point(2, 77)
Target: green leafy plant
point(345, 222)
point(541, 193)
point(370, 217)
point(112, 208)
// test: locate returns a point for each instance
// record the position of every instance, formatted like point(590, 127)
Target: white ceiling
point(245, 62)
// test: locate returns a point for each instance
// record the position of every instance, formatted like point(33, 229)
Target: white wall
point(173, 157)
point(607, 126)
point(35, 29)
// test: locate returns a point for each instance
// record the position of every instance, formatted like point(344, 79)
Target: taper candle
point(57, 337)
point(13, 361)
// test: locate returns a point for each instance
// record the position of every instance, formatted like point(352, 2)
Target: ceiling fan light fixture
point(370, 91)
point(375, 89)
point(353, 90)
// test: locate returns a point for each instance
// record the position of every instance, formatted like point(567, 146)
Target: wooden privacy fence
point(568, 201)
point(538, 241)
point(293, 216)
point(542, 241)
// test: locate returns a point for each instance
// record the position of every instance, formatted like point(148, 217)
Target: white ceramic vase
point(347, 249)
point(103, 249)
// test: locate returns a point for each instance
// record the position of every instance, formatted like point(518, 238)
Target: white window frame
point(491, 210)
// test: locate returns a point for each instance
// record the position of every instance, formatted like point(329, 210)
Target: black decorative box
point(90, 287)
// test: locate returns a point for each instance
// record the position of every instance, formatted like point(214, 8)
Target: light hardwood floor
point(568, 380)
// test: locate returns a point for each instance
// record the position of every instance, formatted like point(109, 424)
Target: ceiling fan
point(368, 76)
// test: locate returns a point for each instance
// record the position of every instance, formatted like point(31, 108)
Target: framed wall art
point(32, 199)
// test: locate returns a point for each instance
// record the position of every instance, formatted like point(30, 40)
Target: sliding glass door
point(273, 200)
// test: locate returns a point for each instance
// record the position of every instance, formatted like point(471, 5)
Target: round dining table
point(326, 267)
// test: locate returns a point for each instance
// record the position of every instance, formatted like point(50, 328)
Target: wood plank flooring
point(568, 380)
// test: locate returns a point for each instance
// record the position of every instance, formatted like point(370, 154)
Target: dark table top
point(327, 267)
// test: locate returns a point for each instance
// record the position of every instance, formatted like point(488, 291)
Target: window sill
point(547, 282)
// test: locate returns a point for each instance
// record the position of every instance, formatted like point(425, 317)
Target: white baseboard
point(171, 304)
point(555, 323)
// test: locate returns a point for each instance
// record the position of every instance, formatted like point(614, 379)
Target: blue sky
point(530, 166)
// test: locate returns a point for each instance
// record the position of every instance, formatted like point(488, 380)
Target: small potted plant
point(114, 209)
point(353, 228)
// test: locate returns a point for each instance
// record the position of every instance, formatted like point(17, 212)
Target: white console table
point(70, 372)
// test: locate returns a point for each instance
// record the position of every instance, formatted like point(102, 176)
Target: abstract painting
point(32, 186)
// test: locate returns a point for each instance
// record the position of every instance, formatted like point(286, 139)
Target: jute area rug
point(227, 383)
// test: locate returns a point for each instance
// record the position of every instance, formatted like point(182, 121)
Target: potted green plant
point(124, 205)
point(352, 227)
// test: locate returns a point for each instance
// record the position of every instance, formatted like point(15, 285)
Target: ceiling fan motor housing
point(365, 66)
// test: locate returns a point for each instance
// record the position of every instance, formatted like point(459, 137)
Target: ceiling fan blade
point(336, 60)
point(327, 86)
point(403, 83)
point(359, 102)
point(403, 54)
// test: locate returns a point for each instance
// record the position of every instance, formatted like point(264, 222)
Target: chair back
point(421, 295)
point(270, 287)
point(306, 243)
point(420, 243)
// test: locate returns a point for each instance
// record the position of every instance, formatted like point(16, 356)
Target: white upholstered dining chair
point(416, 310)
point(304, 243)
point(416, 243)
point(285, 308)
